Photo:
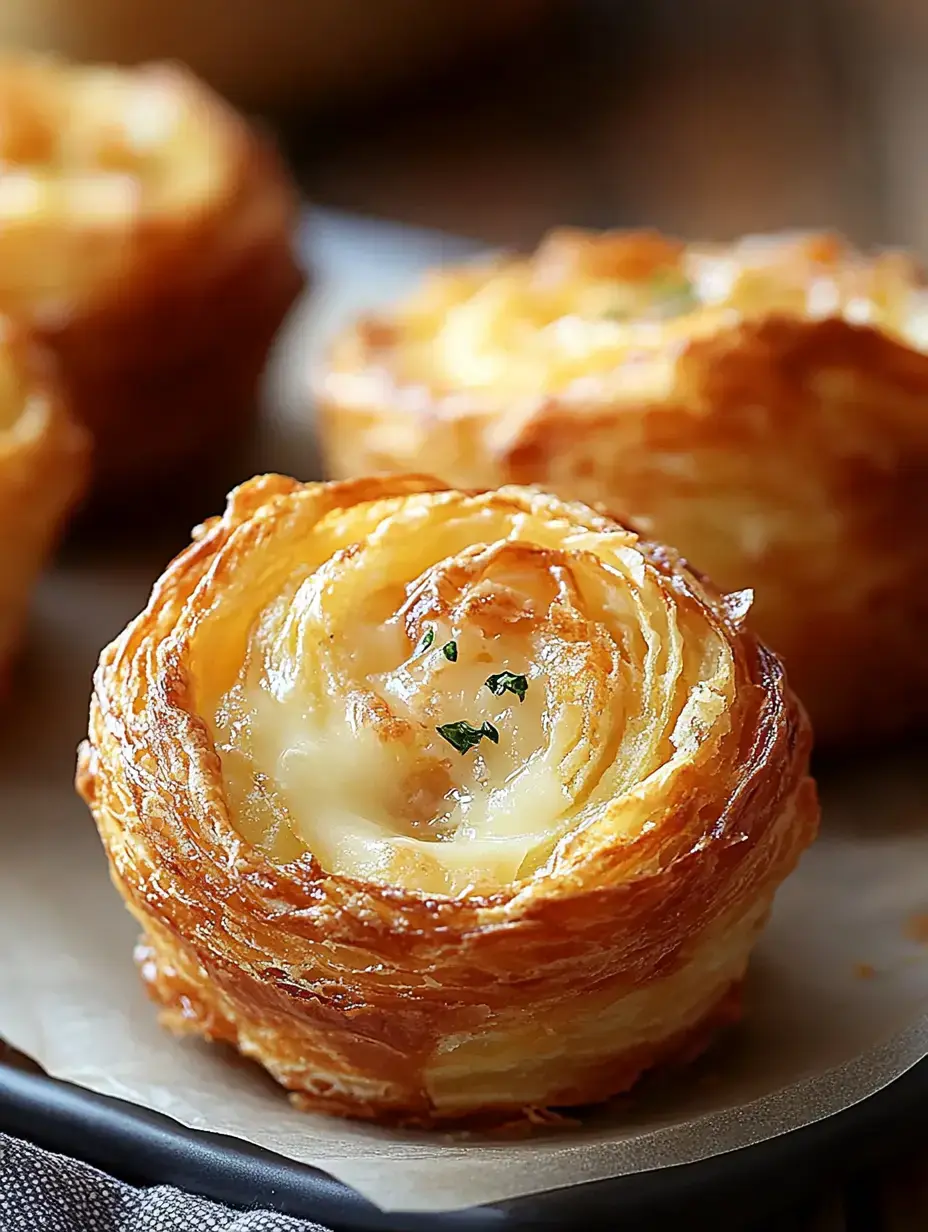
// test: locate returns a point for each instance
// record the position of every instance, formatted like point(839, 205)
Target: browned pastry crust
point(147, 239)
point(763, 406)
point(399, 930)
point(44, 465)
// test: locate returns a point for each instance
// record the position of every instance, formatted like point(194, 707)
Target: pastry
point(443, 806)
point(145, 238)
point(44, 461)
point(763, 406)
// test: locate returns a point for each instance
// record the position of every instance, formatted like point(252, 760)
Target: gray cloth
point(40, 1192)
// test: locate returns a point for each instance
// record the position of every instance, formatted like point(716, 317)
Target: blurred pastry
point(443, 806)
point(145, 237)
point(44, 464)
point(761, 405)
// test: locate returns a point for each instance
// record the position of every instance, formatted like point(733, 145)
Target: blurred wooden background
point(705, 117)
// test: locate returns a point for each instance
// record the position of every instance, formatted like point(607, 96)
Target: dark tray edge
point(144, 1147)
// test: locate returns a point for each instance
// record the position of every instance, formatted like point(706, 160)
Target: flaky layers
point(145, 235)
point(443, 805)
point(44, 465)
point(763, 406)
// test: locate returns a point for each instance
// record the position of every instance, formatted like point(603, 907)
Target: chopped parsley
point(674, 290)
point(427, 638)
point(620, 312)
point(507, 682)
point(450, 651)
point(464, 736)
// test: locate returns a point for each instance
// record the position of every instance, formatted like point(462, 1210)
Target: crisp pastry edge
point(597, 449)
point(278, 1019)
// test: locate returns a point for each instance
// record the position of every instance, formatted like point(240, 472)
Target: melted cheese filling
point(331, 736)
point(618, 308)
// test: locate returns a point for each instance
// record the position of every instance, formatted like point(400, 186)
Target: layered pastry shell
point(762, 405)
point(44, 468)
point(444, 806)
point(146, 239)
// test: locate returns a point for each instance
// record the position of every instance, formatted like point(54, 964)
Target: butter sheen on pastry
point(443, 805)
point(145, 236)
point(761, 405)
point(44, 465)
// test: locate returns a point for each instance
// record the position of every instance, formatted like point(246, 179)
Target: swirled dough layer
point(337, 715)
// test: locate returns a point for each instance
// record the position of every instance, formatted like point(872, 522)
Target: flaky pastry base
point(146, 238)
point(763, 406)
point(400, 927)
point(44, 467)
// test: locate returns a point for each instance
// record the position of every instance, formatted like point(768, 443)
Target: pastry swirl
point(443, 804)
point(145, 237)
point(763, 406)
point(44, 464)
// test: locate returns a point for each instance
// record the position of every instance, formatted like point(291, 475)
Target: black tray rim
point(148, 1148)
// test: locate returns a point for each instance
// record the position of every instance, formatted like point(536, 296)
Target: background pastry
point(763, 406)
point(44, 463)
point(145, 236)
point(443, 805)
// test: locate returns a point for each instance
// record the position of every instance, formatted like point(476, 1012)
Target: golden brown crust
point(623, 939)
point(44, 466)
point(190, 1006)
point(161, 301)
point(777, 435)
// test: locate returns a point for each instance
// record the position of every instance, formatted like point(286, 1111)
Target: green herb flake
point(674, 290)
point(507, 682)
point(450, 651)
point(464, 736)
point(427, 638)
point(621, 312)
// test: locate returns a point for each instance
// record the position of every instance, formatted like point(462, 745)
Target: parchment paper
point(837, 999)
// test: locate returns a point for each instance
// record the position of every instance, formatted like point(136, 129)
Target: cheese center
point(582, 308)
point(446, 733)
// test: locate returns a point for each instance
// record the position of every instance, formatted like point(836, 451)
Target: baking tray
point(147, 1148)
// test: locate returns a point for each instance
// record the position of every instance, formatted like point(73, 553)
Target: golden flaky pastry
point(443, 805)
point(44, 463)
point(145, 236)
point(763, 406)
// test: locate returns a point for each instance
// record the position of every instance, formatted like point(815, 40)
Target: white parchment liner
point(819, 1036)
